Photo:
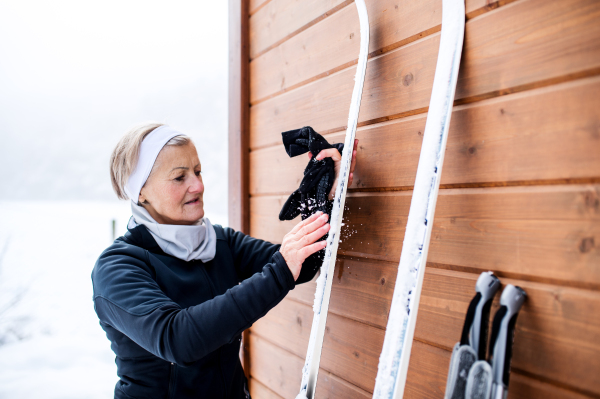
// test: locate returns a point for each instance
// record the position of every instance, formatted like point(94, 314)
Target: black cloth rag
point(313, 193)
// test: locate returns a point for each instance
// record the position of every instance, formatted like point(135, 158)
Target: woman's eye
point(180, 178)
point(198, 173)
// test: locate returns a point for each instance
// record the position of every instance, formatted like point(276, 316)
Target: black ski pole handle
point(502, 339)
point(475, 329)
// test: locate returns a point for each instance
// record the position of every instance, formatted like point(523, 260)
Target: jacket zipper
point(171, 381)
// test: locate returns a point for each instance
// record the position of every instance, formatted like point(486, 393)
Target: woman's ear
point(142, 198)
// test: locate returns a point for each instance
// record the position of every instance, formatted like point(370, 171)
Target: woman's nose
point(197, 186)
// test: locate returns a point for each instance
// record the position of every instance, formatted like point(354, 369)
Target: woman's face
point(173, 192)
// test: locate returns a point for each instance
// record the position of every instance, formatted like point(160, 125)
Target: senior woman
point(175, 292)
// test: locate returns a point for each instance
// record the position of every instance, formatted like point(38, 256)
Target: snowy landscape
point(51, 345)
point(75, 77)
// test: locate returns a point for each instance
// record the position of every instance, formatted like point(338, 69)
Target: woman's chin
point(193, 212)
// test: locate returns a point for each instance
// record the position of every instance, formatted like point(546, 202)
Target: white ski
point(310, 370)
point(393, 362)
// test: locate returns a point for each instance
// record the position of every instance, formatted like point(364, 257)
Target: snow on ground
point(51, 345)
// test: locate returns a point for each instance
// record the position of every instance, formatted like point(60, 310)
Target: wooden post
point(239, 104)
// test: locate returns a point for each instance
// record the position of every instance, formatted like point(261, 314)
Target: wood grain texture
point(285, 17)
point(429, 367)
point(255, 5)
point(543, 134)
point(361, 290)
point(274, 367)
point(543, 238)
point(280, 371)
point(260, 391)
point(350, 350)
point(522, 232)
point(513, 48)
point(280, 18)
point(555, 339)
point(333, 44)
point(238, 114)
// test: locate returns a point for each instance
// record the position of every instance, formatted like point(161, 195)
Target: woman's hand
point(337, 160)
point(300, 243)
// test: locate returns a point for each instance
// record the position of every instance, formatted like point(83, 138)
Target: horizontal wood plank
point(361, 290)
point(287, 325)
point(280, 371)
point(350, 350)
point(428, 370)
point(254, 5)
point(515, 47)
point(543, 238)
point(330, 386)
point(260, 391)
point(544, 134)
point(333, 44)
point(555, 336)
point(525, 232)
point(276, 368)
point(279, 18)
point(285, 17)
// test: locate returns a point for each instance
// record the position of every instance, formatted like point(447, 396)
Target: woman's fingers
point(312, 248)
point(300, 242)
point(315, 235)
point(306, 221)
point(312, 226)
point(353, 163)
point(330, 152)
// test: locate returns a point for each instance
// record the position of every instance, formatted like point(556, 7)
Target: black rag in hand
point(313, 193)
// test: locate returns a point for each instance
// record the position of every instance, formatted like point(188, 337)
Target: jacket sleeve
point(250, 255)
point(127, 298)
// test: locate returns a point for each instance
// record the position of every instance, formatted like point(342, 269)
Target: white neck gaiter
point(186, 242)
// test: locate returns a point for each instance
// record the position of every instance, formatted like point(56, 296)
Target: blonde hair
point(124, 157)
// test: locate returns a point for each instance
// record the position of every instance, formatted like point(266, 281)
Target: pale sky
point(75, 75)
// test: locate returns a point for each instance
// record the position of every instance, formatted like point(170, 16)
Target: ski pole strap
point(464, 339)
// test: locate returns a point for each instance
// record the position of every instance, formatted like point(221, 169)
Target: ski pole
point(486, 287)
point(491, 382)
point(473, 342)
point(503, 334)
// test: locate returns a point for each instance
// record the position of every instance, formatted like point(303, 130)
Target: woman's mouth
point(193, 202)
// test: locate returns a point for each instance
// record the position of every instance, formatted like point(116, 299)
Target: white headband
point(149, 150)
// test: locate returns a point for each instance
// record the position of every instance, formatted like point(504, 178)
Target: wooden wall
point(520, 187)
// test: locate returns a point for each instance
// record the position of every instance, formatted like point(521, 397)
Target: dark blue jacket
point(176, 326)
